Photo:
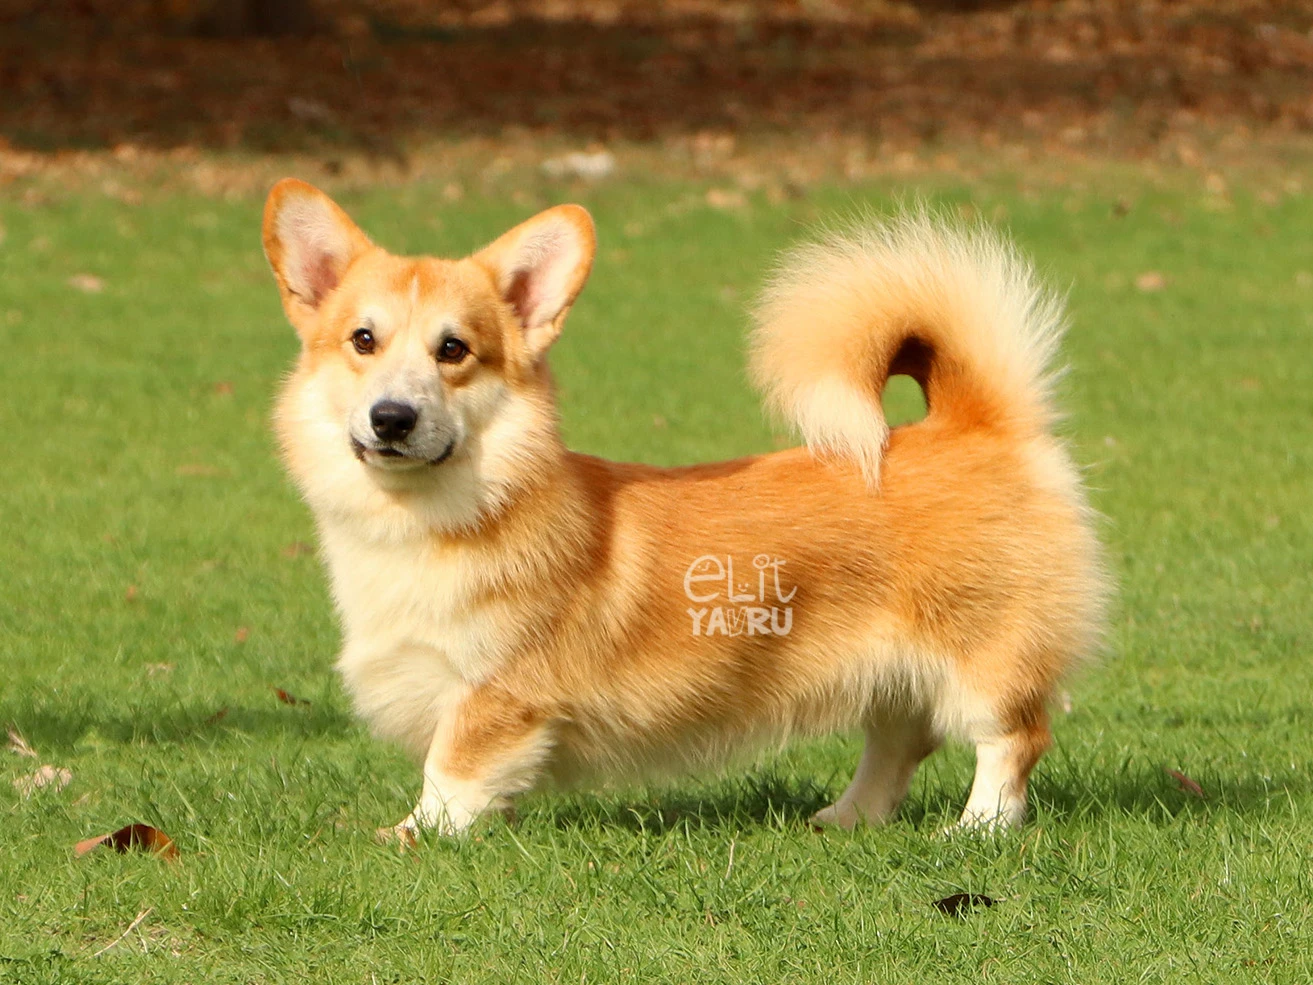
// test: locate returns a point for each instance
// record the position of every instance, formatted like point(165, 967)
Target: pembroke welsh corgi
point(516, 614)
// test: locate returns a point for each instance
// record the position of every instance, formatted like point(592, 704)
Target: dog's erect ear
point(310, 242)
point(539, 268)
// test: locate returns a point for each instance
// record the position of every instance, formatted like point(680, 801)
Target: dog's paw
point(835, 816)
point(404, 836)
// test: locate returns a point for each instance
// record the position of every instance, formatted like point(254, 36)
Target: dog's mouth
point(388, 453)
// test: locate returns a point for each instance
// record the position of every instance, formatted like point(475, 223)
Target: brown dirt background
point(842, 86)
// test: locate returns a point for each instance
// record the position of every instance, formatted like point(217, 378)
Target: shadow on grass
point(1063, 790)
point(768, 799)
point(1150, 793)
point(55, 730)
point(763, 799)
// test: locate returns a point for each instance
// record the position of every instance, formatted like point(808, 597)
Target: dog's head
point(421, 379)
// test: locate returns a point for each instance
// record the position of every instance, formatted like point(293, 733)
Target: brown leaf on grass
point(223, 389)
point(131, 594)
point(1150, 281)
point(958, 904)
point(295, 549)
point(1186, 784)
point(86, 283)
point(242, 634)
point(54, 777)
point(289, 699)
point(134, 837)
point(18, 745)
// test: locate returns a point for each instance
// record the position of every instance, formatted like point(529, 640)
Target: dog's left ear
point(540, 267)
point(310, 243)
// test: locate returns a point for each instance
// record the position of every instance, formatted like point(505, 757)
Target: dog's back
point(934, 581)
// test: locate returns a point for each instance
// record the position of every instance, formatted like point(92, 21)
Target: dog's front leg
point(489, 748)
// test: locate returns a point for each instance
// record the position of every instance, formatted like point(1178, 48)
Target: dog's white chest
point(414, 639)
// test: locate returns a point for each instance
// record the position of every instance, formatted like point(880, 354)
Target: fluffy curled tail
point(958, 310)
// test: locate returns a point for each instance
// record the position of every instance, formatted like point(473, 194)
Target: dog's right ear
point(310, 243)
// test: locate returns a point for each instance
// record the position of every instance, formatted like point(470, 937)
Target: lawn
point(157, 585)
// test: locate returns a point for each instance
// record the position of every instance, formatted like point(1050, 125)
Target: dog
point(516, 614)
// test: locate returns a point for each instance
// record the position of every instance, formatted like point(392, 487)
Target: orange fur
point(522, 613)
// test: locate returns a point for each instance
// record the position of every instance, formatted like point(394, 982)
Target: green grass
point(126, 463)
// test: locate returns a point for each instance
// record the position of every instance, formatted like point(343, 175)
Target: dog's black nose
point(392, 421)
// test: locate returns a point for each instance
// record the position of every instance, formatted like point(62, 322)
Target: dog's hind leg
point(895, 746)
point(1003, 765)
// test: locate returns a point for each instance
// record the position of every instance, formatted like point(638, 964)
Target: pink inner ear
point(521, 296)
point(320, 277)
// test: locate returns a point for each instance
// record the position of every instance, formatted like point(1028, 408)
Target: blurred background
point(771, 90)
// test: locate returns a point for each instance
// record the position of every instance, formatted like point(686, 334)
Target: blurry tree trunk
point(256, 18)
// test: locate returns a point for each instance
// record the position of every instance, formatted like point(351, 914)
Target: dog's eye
point(452, 351)
point(363, 340)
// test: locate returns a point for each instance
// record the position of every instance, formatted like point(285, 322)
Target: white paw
point(406, 834)
point(836, 816)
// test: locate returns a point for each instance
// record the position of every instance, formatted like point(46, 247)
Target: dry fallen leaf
point(1150, 280)
point(1186, 784)
point(243, 632)
point(87, 283)
point(289, 699)
point(957, 904)
point(18, 745)
point(134, 837)
point(131, 594)
point(295, 549)
point(56, 778)
point(223, 389)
